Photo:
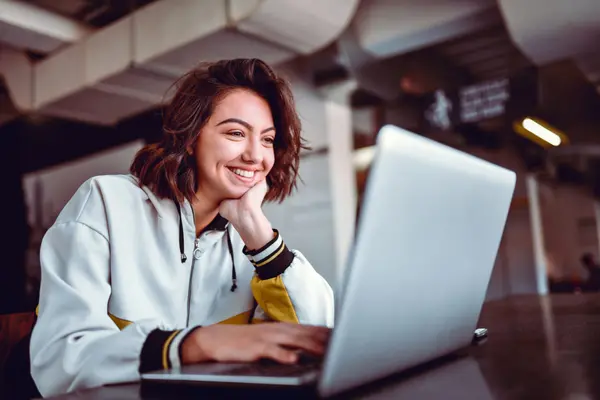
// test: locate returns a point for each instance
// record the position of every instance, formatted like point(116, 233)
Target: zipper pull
point(197, 251)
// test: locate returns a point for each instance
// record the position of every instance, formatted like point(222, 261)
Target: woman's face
point(234, 150)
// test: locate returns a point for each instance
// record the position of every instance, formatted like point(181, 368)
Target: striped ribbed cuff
point(156, 350)
point(272, 259)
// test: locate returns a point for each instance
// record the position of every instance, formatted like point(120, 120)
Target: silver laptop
point(428, 234)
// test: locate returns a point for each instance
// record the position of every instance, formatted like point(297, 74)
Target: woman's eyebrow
point(244, 124)
point(237, 121)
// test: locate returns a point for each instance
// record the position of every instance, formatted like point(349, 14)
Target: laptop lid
point(428, 234)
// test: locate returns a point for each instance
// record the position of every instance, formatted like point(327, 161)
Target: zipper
point(189, 296)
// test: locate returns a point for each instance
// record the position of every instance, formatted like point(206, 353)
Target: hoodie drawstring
point(229, 245)
point(233, 275)
point(181, 242)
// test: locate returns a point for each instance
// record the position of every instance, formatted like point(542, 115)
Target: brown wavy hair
point(169, 170)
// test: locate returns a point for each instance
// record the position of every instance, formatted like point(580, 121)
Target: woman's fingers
point(280, 354)
point(316, 333)
point(311, 339)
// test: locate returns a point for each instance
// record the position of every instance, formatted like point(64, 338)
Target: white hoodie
point(120, 290)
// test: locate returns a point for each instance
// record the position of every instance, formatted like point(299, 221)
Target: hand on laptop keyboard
point(246, 343)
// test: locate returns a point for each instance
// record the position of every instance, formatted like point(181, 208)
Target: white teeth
point(244, 173)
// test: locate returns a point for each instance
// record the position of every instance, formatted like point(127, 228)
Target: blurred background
point(514, 82)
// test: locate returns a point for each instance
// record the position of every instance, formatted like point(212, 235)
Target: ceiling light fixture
point(542, 132)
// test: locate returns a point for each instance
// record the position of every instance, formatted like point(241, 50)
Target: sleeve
point(75, 344)
point(287, 288)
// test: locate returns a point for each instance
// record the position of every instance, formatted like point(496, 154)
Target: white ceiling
point(126, 67)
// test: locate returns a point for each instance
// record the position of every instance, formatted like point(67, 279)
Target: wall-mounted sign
point(445, 110)
point(483, 101)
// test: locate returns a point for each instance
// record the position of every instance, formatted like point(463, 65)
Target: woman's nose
point(253, 152)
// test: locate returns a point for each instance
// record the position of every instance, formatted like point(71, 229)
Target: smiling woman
point(202, 94)
point(231, 141)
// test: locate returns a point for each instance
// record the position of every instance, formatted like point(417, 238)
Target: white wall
point(343, 180)
point(53, 187)
point(60, 182)
point(309, 105)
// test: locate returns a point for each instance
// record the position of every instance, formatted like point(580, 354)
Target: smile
point(242, 172)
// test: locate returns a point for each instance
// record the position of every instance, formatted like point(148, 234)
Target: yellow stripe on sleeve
point(274, 299)
point(165, 350)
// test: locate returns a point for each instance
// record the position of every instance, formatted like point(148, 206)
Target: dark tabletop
point(538, 348)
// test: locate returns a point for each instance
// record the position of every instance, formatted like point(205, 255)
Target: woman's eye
point(236, 133)
point(269, 140)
